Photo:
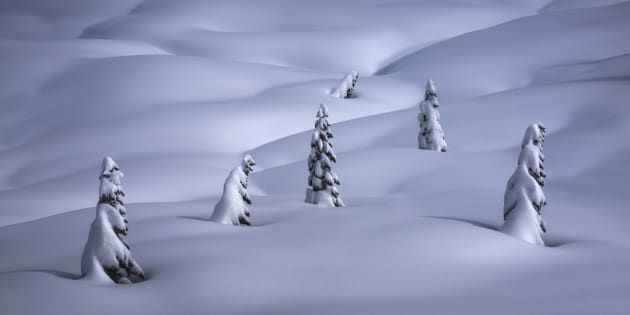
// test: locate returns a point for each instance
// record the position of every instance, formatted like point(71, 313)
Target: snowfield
point(178, 91)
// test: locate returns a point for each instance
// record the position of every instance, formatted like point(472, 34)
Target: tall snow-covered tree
point(431, 136)
point(232, 207)
point(347, 85)
point(106, 256)
point(322, 180)
point(524, 197)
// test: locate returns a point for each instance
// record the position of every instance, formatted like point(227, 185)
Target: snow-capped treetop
point(322, 135)
point(532, 152)
point(108, 166)
point(355, 77)
point(110, 188)
point(347, 85)
point(322, 112)
point(535, 134)
point(430, 93)
point(248, 163)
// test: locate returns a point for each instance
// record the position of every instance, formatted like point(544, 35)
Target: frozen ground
point(178, 91)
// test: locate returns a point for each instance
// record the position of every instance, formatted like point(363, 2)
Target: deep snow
point(177, 91)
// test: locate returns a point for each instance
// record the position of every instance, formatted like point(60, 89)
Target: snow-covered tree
point(431, 136)
point(347, 85)
point(106, 256)
point(322, 181)
point(524, 197)
point(232, 207)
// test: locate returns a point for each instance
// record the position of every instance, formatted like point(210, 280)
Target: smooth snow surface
point(178, 91)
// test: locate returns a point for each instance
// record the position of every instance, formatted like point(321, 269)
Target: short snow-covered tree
point(322, 181)
point(524, 197)
point(431, 136)
point(232, 207)
point(106, 256)
point(347, 85)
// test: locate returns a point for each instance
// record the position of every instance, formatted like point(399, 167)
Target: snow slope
point(178, 91)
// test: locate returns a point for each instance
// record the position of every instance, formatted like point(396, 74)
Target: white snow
point(106, 256)
point(232, 207)
point(178, 91)
point(431, 136)
point(322, 180)
point(346, 86)
point(524, 197)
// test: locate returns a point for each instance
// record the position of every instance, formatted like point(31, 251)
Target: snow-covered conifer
point(232, 207)
point(322, 181)
point(524, 197)
point(347, 85)
point(106, 256)
point(431, 136)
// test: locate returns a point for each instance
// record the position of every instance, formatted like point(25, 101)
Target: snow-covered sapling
point(431, 136)
point(347, 85)
point(106, 256)
point(524, 197)
point(232, 207)
point(322, 181)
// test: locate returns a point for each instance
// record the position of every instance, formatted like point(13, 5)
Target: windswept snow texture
point(178, 91)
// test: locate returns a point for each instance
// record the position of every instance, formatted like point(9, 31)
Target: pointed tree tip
point(248, 160)
point(322, 111)
point(108, 163)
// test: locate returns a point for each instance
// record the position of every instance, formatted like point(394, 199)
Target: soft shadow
point(355, 94)
point(558, 242)
point(57, 273)
point(473, 222)
point(205, 219)
point(192, 217)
